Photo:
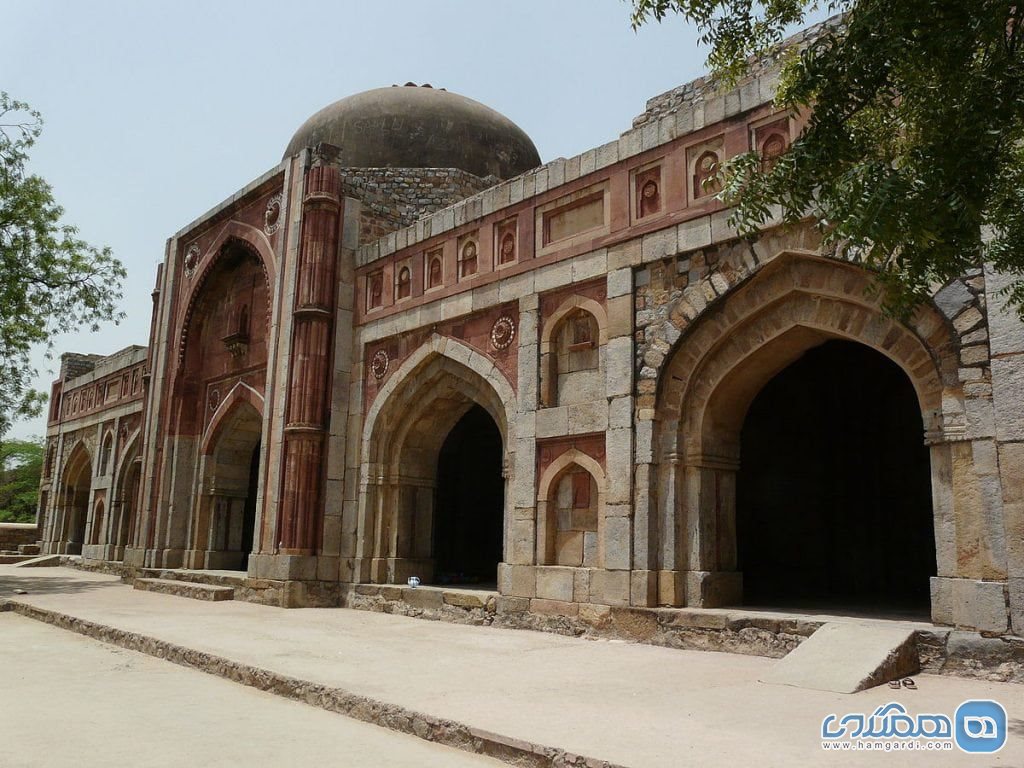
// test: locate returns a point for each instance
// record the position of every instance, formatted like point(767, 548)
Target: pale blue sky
point(156, 112)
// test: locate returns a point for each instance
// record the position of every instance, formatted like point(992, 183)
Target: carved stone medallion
point(503, 332)
point(379, 364)
point(272, 216)
point(191, 260)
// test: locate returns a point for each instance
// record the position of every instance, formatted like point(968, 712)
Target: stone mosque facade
point(410, 349)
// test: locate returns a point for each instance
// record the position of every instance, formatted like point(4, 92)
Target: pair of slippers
point(906, 682)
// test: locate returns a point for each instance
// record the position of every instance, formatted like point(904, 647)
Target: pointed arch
point(566, 308)
point(240, 393)
point(403, 433)
point(98, 519)
point(73, 502)
point(793, 303)
point(125, 490)
point(128, 453)
point(547, 524)
point(451, 349)
point(569, 367)
point(106, 453)
point(233, 233)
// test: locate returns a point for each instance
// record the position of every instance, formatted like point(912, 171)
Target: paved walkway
point(636, 705)
point(68, 701)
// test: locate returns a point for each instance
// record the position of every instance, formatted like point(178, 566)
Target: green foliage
point(51, 281)
point(21, 467)
point(914, 151)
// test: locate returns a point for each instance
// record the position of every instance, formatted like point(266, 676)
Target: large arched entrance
point(433, 498)
point(833, 492)
point(222, 357)
point(796, 440)
point(469, 502)
point(224, 525)
point(77, 485)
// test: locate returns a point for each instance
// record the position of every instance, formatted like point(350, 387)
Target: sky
point(154, 113)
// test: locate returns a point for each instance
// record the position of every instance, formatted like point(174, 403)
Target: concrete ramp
point(848, 657)
point(43, 561)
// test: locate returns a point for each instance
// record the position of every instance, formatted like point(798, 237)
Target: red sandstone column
point(309, 379)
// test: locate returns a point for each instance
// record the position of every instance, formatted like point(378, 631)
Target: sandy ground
point(641, 706)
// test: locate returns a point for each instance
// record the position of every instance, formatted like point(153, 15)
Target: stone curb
point(396, 718)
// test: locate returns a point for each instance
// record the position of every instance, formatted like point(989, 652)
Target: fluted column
point(309, 376)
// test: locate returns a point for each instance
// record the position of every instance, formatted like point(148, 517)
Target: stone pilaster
point(309, 378)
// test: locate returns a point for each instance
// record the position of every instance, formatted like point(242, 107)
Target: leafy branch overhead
point(51, 281)
point(914, 148)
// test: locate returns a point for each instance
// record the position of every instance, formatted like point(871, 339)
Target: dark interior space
point(469, 506)
point(834, 491)
point(249, 512)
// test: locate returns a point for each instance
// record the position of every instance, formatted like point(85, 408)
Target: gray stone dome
point(419, 127)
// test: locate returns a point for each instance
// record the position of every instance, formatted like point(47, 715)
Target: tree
point(21, 466)
point(50, 280)
point(914, 151)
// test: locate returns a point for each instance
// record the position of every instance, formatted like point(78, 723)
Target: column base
point(99, 552)
point(134, 557)
point(165, 558)
point(283, 567)
point(217, 560)
point(971, 604)
point(714, 589)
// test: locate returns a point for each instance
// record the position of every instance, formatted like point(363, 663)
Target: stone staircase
point(198, 585)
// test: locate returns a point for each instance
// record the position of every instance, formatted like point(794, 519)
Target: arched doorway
point(125, 505)
point(432, 502)
point(793, 306)
point(224, 529)
point(469, 502)
point(833, 492)
point(222, 354)
point(77, 486)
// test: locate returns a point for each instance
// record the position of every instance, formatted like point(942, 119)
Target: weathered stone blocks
point(981, 605)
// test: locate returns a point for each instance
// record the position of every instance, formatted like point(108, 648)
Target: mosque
point(410, 349)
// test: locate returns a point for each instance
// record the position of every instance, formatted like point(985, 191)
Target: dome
point(419, 127)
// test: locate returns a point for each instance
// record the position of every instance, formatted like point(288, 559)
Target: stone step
point(218, 578)
point(186, 589)
point(846, 657)
point(29, 549)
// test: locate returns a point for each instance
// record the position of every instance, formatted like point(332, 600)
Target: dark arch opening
point(249, 510)
point(470, 501)
point(77, 487)
point(833, 497)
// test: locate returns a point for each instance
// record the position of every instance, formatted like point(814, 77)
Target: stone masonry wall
point(396, 197)
point(673, 291)
point(13, 535)
point(690, 95)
